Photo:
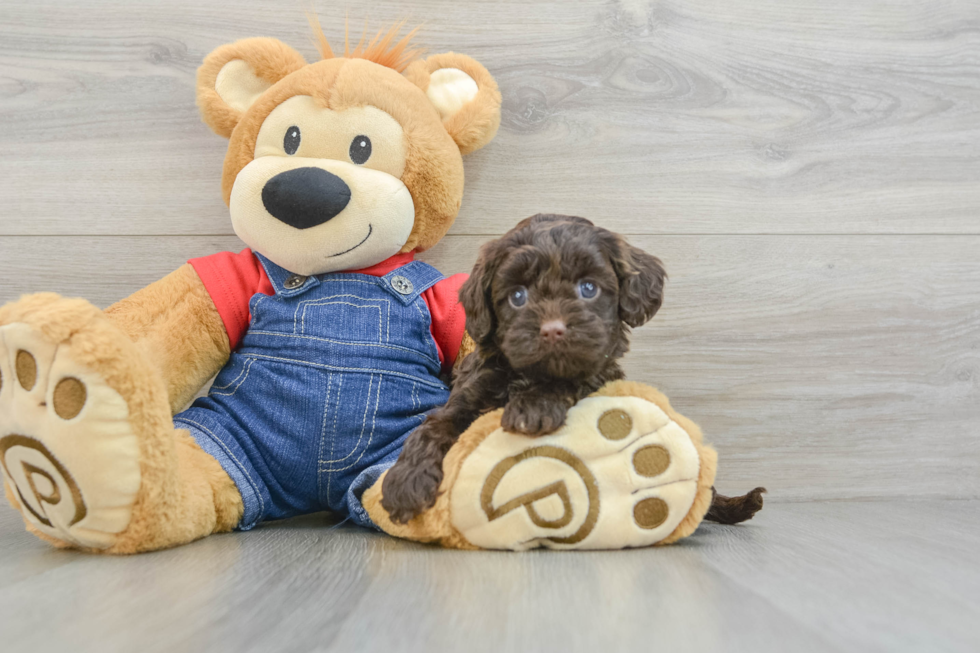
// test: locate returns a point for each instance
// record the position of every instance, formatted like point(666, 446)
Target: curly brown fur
point(537, 358)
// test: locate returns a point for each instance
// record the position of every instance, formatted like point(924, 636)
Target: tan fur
point(433, 171)
point(477, 123)
point(707, 454)
point(50, 540)
point(467, 347)
point(435, 524)
point(177, 499)
point(433, 167)
point(177, 328)
point(159, 346)
point(270, 59)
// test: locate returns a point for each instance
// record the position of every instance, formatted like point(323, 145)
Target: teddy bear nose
point(305, 197)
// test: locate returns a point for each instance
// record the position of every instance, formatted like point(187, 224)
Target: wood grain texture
point(821, 576)
point(820, 367)
point(653, 117)
point(808, 171)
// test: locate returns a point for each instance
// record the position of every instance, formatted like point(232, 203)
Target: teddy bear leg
point(626, 470)
point(205, 500)
point(88, 450)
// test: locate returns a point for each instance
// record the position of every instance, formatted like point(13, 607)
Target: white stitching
point(247, 369)
point(327, 303)
point(323, 436)
point(322, 301)
point(374, 419)
point(346, 343)
point(333, 442)
point(367, 405)
point(344, 280)
point(362, 370)
point(428, 329)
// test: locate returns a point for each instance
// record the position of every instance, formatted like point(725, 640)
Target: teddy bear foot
point(620, 474)
point(69, 455)
point(626, 470)
point(87, 445)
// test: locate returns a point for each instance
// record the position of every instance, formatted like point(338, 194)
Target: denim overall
point(333, 374)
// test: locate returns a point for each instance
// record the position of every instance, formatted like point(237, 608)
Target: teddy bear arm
point(467, 347)
point(177, 328)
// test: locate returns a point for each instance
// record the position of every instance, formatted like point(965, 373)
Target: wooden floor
point(816, 576)
point(809, 171)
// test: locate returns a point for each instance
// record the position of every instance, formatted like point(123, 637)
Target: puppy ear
point(476, 294)
point(641, 280)
point(235, 75)
point(464, 94)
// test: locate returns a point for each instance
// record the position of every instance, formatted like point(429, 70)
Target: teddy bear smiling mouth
point(346, 251)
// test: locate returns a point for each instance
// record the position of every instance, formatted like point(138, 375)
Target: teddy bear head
point(342, 163)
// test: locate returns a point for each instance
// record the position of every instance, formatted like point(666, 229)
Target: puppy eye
point(290, 141)
point(587, 290)
point(360, 149)
point(518, 297)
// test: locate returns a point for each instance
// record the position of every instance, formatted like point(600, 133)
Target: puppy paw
point(410, 489)
point(534, 415)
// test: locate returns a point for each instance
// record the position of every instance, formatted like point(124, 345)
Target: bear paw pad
point(68, 454)
point(620, 473)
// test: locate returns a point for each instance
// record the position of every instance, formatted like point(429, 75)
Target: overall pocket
point(350, 419)
point(345, 318)
point(232, 376)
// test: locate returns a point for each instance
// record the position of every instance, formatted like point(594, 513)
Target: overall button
point(402, 285)
point(295, 281)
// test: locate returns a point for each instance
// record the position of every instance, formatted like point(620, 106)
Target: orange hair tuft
point(383, 49)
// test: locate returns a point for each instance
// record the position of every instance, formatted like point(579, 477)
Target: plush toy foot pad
point(619, 474)
point(70, 458)
point(625, 470)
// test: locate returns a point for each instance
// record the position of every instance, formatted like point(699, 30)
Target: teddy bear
point(327, 340)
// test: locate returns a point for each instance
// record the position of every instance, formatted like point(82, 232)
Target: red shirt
point(232, 280)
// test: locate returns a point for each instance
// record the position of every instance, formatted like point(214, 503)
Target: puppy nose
point(553, 331)
point(305, 197)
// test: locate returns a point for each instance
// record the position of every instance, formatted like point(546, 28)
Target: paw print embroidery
point(68, 454)
point(620, 473)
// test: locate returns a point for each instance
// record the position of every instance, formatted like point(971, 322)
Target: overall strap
point(411, 280)
point(405, 283)
point(284, 282)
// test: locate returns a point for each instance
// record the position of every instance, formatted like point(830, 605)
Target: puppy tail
point(733, 510)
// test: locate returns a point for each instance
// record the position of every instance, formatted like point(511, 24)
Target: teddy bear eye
point(518, 297)
point(360, 149)
point(587, 290)
point(290, 142)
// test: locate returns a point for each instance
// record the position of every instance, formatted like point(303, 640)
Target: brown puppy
point(549, 305)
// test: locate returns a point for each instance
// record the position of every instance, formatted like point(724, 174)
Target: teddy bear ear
point(464, 94)
point(235, 75)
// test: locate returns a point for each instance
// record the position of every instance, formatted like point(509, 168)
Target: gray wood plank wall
point(809, 171)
